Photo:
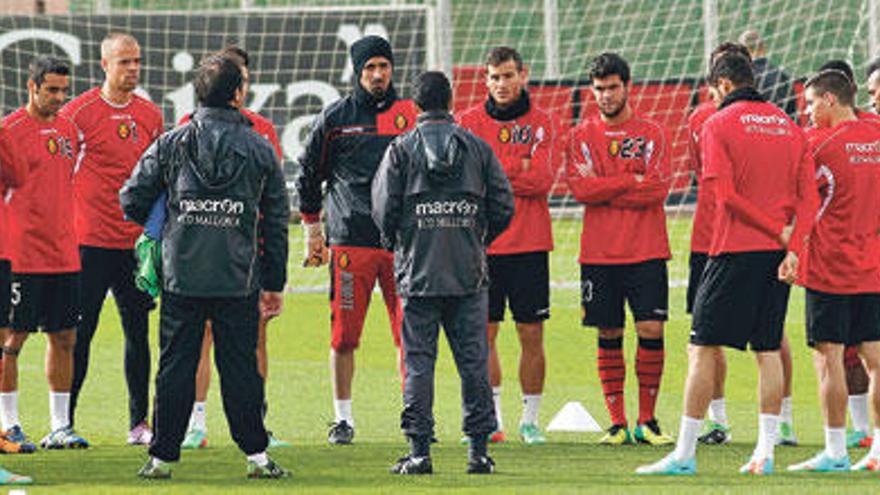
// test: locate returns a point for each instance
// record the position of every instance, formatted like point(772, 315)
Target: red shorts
point(353, 274)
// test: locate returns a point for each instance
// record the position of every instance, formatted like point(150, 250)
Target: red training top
point(842, 255)
point(42, 234)
point(12, 174)
point(701, 232)
point(863, 115)
point(113, 138)
point(762, 174)
point(527, 148)
point(624, 220)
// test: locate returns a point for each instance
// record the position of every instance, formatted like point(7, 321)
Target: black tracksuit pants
point(113, 269)
point(181, 328)
point(464, 321)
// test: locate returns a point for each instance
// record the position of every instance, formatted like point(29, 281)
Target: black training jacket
point(343, 150)
point(225, 189)
point(440, 198)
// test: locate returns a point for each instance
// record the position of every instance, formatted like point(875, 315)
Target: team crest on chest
point(123, 130)
point(401, 122)
point(614, 147)
point(504, 135)
point(52, 145)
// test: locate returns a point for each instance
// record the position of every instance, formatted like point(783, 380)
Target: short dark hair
point(729, 47)
point(609, 64)
point(45, 64)
point(733, 67)
point(839, 65)
point(432, 91)
point(835, 82)
point(873, 67)
point(217, 79)
point(236, 51)
point(501, 54)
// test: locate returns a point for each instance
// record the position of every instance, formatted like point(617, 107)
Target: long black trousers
point(113, 269)
point(181, 328)
point(464, 322)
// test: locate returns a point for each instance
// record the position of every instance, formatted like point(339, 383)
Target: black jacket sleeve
point(274, 213)
point(499, 195)
point(387, 194)
point(144, 186)
point(313, 168)
point(787, 96)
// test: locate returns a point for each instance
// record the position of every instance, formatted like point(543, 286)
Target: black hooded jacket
point(225, 188)
point(343, 150)
point(440, 198)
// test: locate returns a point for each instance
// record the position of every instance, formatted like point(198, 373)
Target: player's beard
point(615, 112)
point(378, 92)
point(48, 109)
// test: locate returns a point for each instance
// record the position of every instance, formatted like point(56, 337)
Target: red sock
point(851, 358)
point(649, 369)
point(612, 373)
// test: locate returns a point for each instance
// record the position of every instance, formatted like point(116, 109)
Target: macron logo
point(227, 206)
point(751, 118)
point(462, 207)
point(863, 147)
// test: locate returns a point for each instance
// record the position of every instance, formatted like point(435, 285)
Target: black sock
point(478, 446)
point(420, 445)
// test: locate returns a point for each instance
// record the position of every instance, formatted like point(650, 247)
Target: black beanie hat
point(368, 47)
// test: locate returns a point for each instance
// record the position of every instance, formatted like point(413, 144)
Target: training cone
point(573, 417)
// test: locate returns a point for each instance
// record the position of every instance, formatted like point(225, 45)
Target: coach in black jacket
point(440, 197)
point(224, 186)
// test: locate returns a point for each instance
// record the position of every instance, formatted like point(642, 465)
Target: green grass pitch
point(300, 408)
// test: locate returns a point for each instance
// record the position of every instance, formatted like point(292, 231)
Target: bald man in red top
point(115, 126)
point(617, 165)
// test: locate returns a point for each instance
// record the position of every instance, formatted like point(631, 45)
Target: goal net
point(300, 62)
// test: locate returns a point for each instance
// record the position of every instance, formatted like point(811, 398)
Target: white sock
point(156, 461)
point(531, 403)
point(59, 409)
point(718, 411)
point(686, 446)
point(260, 458)
point(875, 446)
point(9, 409)
point(767, 424)
point(342, 408)
point(198, 418)
point(858, 411)
point(835, 442)
point(496, 397)
point(785, 415)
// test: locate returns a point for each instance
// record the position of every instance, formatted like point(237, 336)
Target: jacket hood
point(216, 157)
point(442, 148)
point(747, 93)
